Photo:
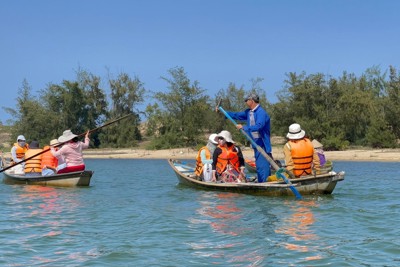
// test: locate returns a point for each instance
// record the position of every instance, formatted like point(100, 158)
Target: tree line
point(338, 111)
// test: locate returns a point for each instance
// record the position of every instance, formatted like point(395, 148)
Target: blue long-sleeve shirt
point(262, 125)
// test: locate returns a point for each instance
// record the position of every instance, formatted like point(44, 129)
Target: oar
point(270, 160)
point(60, 144)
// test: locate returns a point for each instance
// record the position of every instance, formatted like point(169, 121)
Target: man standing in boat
point(258, 127)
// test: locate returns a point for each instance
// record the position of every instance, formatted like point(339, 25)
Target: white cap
point(21, 137)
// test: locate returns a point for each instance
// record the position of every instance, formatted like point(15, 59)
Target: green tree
point(126, 94)
point(96, 102)
point(391, 102)
point(305, 100)
point(30, 118)
point(77, 105)
point(378, 135)
point(184, 107)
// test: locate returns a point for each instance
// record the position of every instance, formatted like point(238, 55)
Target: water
point(135, 214)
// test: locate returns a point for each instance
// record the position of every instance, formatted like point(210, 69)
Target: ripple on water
point(135, 214)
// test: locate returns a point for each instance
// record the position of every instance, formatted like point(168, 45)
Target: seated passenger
point(71, 151)
point(300, 156)
point(204, 159)
point(18, 150)
point(228, 161)
point(319, 148)
point(326, 165)
point(33, 165)
point(50, 164)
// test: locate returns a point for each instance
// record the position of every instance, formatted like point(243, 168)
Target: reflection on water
point(220, 212)
point(43, 200)
point(224, 215)
point(41, 213)
point(298, 226)
point(126, 219)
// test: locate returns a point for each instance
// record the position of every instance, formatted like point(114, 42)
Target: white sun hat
point(212, 138)
point(295, 132)
point(226, 135)
point(66, 136)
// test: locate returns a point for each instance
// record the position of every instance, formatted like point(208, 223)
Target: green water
point(135, 214)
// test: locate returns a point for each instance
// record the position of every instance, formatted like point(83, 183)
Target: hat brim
point(69, 137)
point(226, 139)
point(62, 139)
point(213, 139)
point(299, 135)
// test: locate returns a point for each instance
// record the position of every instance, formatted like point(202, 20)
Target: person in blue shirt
point(258, 127)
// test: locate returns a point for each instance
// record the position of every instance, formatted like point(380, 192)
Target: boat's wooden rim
point(61, 176)
point(279, 184)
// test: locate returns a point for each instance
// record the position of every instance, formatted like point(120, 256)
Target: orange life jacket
point(20, 151)
point(230, 156)
point(302, 154)
point(48, 159)
point(199, 165)
point(33, 164)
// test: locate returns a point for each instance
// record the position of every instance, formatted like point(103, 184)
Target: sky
point(217, 42)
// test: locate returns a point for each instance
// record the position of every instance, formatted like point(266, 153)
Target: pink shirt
point(72, 152)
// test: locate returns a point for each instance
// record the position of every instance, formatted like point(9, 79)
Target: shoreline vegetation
point(353, 154)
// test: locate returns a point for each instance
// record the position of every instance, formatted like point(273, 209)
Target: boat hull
point(310, 185)
point(81, 178)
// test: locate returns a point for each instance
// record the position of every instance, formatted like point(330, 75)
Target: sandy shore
point(188, 153)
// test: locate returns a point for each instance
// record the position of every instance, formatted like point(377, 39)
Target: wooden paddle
point(270, 160)
point(60, 144)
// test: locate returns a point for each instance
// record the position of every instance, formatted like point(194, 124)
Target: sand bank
point(188, 153)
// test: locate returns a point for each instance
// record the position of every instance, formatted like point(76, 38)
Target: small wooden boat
point(81, 178)
point(306, 185)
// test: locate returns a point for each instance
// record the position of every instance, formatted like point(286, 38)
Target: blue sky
point(215, 41)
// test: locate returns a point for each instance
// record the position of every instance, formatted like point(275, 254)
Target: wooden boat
point(306, 185)
point(81, 178)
